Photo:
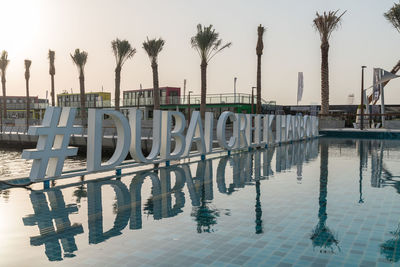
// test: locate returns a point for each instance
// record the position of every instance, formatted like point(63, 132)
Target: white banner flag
point(376, 86)
point(300, 86)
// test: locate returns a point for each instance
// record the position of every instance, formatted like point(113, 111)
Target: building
point(16, 106)
point(144, 97)
point(93, 100)
point(171, 99)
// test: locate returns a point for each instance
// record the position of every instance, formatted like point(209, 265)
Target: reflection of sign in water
point(249, 130)
point(43, 218)
point(167, 198)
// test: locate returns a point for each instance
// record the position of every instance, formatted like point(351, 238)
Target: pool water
point(324, 202)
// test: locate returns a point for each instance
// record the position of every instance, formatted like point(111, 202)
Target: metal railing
point(239, 98)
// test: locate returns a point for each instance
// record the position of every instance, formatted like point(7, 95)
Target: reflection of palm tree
point(5, 193)
point(259, 223)
point(205, 215)
point(81, 191)
point(391, 248)
point(149, 206)
point(322, 236)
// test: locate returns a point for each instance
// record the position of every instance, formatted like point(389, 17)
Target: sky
point(29, 28)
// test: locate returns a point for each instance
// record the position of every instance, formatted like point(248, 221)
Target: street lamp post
point(362, 98)
point(252, 99)
point(234, 90)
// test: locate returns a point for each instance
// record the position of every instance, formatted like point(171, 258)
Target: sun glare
point(20, 21)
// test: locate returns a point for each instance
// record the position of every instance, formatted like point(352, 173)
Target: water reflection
point(167, 197)
point(80, 191)
point(5, 194)
point(322, 237)
point(43, 217)
point(391, 248)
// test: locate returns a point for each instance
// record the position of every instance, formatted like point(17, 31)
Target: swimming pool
point(324, 202)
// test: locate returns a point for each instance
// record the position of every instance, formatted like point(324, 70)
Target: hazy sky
point(30, 27)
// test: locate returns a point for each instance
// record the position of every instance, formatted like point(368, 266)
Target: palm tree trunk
point(258, 107)
point(203, 67)
point(83, 98)
point(324, 79)
point(117, 86)
point(28, 104)
point(156, 89)
point(3, 84)
point(53, 102)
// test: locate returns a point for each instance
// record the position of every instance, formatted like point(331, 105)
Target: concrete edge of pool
point(357, 133)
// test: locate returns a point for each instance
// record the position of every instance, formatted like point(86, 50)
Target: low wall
point(394, 124)
point(331, 123)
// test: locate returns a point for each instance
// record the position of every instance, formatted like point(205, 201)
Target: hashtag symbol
point(52, 146)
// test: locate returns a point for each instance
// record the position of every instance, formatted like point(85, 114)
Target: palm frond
point(27, 64)
point(4, 61)
point(207, 42)
point(122, 50)
point(326, 23)
point(51, 56)
point(153, 47)
point(79, 58)
point(393, 16)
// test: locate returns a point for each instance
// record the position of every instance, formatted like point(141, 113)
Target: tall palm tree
point(3, 67)
point(207, 44)
point(52, 72)
point(325, 24)
point(393, 16)
point(259, 52)
point(122, 51)
point(79, 58)
point(27, 76)
point(153, 47)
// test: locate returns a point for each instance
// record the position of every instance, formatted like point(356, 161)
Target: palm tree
point(393, 16)
point(122, 51)
point(325, 24)
point(27, 76)
point(259, 52)
point(207, 44)
point(79, 58)
point(153, 47)
point(3, 67)
point(52, 72)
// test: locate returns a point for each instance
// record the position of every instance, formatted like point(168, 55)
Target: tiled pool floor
point(326, 202)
